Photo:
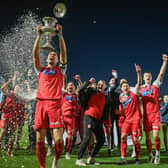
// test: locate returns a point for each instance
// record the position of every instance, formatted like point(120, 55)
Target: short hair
point(70, 82)
point(52, 51)
point(148, 72)
point(102, 81)
point(124, 82)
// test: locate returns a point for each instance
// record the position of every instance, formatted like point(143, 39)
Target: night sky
point(101, 36)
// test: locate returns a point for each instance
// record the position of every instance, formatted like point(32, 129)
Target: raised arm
point(64, 87)
point(62, 45)
point(28, 86)
point(115, 75)
point(86, 84)
point(139, 76)
point(15, 77)
point(77, 78)
point(4, 87)
point(163, 68)
point(36, 49)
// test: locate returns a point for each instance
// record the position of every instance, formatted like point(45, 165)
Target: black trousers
point(49, 137)
point(32, 132)
point(32, 136)
point(90, 125)
point(114, 117)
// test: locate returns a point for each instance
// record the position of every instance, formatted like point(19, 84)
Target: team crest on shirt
point(127, 102)
point(49, 72)
point(147, 92)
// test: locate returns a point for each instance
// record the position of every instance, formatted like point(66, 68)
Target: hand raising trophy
point(49, 28)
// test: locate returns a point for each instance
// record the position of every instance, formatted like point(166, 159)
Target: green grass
point(23, 159)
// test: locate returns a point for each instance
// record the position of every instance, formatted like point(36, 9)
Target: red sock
point(68, 144)
point(138, 149)
point(149, 145)
point(157, 143)
point(41, 154)
point(132, 137)
point(59, 147)
point(123, 148)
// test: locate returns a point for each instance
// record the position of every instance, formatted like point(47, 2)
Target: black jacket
point(85, 94)
point(113, 94)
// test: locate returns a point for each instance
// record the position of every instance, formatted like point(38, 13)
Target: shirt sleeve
point(135, 90)
point(36, 71)
point(157, 83)
point(63, 68)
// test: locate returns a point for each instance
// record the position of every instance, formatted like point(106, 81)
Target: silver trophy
point(49, 28)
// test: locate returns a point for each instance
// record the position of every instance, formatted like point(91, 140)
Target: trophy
point(50, 24)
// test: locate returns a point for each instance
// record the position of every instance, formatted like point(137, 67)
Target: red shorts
point(7, 118)
point(48, 114)
point(107, 123)
point(121, 121)
point(133, 127)
point(152, 122)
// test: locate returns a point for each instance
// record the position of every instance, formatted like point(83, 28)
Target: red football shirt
point(150, 98)
point(50, 83)
point(96, 105)
point(131, 106)
point(10, 104)
point(69, 104)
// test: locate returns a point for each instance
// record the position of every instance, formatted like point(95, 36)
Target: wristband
point(59, 36)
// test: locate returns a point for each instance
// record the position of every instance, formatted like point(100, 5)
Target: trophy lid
point(60, 10)
point(50, 20)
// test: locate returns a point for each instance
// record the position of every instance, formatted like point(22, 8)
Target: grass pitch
point(23, 159)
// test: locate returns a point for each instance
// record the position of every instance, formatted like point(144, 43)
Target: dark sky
point(124, 34)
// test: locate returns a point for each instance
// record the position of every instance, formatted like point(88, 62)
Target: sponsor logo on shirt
point(49, 72)
point(70, 98)
point(127, 102)
point(147, 92)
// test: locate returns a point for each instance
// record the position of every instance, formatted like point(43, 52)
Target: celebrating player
point(130, 104)
point(49, 95)
point(151, 109)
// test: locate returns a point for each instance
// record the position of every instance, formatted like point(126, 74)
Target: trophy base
point(47, 47)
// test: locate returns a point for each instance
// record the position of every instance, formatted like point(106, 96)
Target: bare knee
point(156, 134)
point(123, 137)
point(2, 133)
point(156, 137)
point(148, 136)
point(135, 140)
point(58, 135)
point(40, 135)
